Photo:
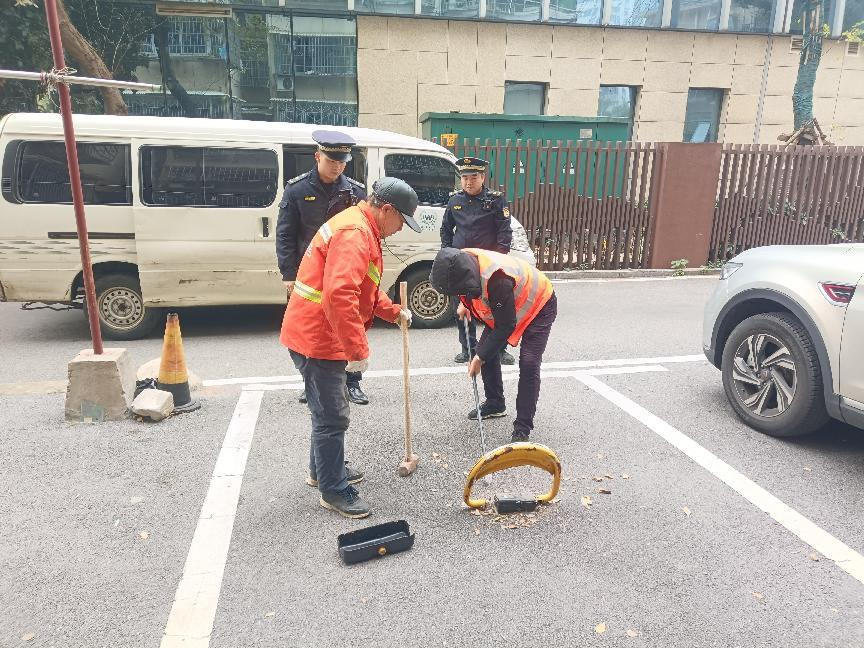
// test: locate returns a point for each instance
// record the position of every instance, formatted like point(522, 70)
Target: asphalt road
point(98, 520)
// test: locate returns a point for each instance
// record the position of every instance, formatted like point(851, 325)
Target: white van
point(182, 212)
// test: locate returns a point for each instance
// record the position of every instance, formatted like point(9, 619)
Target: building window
point(795, 25)
point(176, 176)
point(43, 174)
point(190, 36)
point(854, 14)
point(752, 15)
point(300, 159)
point(432, 177)
point(451, 8)
point(524, 98)
point(618, 101)
point(636, 13)
point(403, 7)
point(514, 9)
point(583, 12)
point(696, 14)
point(702, 120)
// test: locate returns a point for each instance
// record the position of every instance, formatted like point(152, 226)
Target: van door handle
point(265, 227)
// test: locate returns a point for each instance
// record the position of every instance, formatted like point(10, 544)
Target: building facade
point(679, 70)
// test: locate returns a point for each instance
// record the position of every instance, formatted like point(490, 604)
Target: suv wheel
point(772, 377)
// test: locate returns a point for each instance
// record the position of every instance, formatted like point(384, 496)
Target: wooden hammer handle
point(403, 300)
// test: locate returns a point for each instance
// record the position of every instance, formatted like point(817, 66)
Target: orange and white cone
point(173, 376)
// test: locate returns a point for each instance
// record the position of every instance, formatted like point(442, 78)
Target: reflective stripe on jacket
point(336, 294)
point(531, 290)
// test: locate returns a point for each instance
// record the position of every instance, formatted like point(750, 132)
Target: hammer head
point(408, 465)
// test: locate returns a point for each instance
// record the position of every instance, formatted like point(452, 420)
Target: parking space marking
point(193, 612)
point(437, 371)
point(844, 556)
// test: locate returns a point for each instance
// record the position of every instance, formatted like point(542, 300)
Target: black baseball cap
point(401, 196)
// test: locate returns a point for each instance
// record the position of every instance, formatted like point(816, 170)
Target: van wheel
point(429, 308)
point(122, 313)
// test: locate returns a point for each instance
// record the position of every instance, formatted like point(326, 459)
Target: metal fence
point(584, 204)
point(770, 195)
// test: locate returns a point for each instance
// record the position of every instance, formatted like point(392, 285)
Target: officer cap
point(333, 144)
point(400, 195)
point(469, 165)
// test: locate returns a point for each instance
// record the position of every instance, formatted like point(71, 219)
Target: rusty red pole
point(74, 176)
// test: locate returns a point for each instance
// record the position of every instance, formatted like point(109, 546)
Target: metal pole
point(68, 78)
point(74, 176)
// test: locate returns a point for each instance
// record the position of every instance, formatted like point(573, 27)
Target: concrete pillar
point(683, 203)
point(100, 387)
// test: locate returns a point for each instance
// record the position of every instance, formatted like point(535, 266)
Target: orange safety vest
point(336, 294)
point(531, 291)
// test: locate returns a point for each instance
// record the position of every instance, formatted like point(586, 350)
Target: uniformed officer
point(476, 217)
point(310, 200)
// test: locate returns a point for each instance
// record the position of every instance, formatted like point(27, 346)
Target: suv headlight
point(729, 268)
point(520, 240)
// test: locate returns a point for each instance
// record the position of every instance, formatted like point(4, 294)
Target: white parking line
point(190, 622)
point(846, 558)
point(437, 371)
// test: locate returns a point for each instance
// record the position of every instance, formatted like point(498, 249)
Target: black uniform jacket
point(481, 221)
point(306, 205)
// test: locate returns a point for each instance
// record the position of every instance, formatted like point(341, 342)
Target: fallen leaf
point(475, 512)
point(586, 501)
point(604, 491)
point(136, 500)
point(686, 511)
point(835, 610)
point(364, 600)
point(599, 456)
point(144, 535)
point(583, 476)
point(600, 628)
point(632, 633)
point(608, 476)
point(567, 478)
point(269, 614)
point(758, 596)
point(444, 466)
point(814, 557)
point(597, 479)
point(435, 455)
point(555, 501)
point(625, 476)
point(271, 500)
point(116, 522)
point(28, 637)
point(807, 468)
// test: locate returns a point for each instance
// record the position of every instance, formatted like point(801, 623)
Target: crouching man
point(515, 301)
point(336, 296)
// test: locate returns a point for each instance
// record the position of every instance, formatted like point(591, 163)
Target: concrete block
point(100, 386)
point(575, 74)
point(417, 35)
point(827, 82)
point(576, 42)
point(662, 106)
point(777, 110)
point(404, 124)
point(432, 67)
point(579, 103)
point(746, 79)
point(738, 133)
point(750, 50)
point(154, 404)
point(670, 46)
point(446, 98)
point(660, 131)
point(528, 68)
point(714, 48)
point(490, 99)
point(781, 80)
point(492, 39)
point(372, 32)
point(833, 55)
point(666, 77)
point(783, 55)
point(529, 40)
point(490, 70)
point(462, 53)
point(852, 84)
point(848, 112)
point(708, 75)
point(622, 72)
point(741, 109)
point(625, 44)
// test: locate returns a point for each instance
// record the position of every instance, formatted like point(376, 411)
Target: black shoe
point(356, 395)
point(507, 359)
point(346, 502)
point(519, 437)
point(354, 476)
point(488, 411)
point(302, 398)
point(461, 357)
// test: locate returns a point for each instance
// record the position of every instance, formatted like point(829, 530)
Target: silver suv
point(785, 326)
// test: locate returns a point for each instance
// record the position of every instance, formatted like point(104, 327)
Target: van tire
point(122, 313)
point(429, 308)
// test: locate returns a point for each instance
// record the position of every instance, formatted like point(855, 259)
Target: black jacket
point(306, 205)
point(481, 221)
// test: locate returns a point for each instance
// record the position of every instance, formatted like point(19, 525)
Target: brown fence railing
point(584, 205)
point(770, 195)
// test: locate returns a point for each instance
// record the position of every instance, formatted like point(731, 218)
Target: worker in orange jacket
point(336, 296)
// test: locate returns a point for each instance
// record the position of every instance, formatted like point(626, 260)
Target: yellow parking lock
point(510, 456)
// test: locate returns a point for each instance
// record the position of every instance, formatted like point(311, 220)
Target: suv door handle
point(265, 227)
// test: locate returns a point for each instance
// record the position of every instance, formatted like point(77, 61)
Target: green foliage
point(678, 265)
point(855, 34)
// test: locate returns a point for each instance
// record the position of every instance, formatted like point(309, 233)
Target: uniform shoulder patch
point(298, 178)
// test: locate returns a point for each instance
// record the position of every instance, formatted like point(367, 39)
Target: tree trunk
point(808, 63)
point(170, 79)
point(88, 59)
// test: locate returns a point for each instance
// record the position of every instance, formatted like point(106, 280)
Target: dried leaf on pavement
point(364, 600)
point(555, 501)
point(600, 628)
point(435, 455)
point(599, 456)
point(144, 535)
point(632, 633)
point(444, 465)
point(586, 501)
point(609, 476)
point(28, 637)
point(807, 468)
point(814, 557)
point(686, 511)
point(269, 614)
point(758, 596)
point(597, 479)
point(604, 491)
point(476, 531)
point(625, 476)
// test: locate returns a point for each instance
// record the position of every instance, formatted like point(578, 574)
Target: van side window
point(299, 159)
point(178, 176)
point(433, 178)
point(43, 173)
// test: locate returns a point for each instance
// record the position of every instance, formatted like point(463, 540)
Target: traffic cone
point(173, 376)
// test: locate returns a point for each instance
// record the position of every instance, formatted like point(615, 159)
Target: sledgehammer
point(409, 463)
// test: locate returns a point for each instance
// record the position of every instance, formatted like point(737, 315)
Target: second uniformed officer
point(476, 217)
point(309, 201)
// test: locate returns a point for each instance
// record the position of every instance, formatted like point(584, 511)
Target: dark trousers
point(328, 403)
point(532, 346)
point(353, 378)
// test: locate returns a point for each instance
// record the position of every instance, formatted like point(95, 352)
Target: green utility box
point(525, 127)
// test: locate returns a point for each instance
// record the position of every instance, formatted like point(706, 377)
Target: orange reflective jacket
point(336, 293)
point(532, 289)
